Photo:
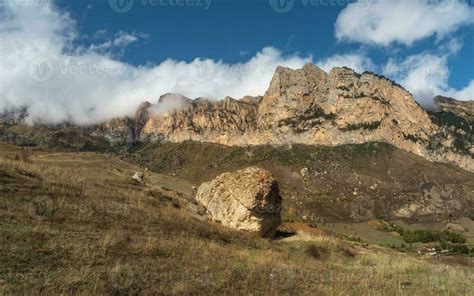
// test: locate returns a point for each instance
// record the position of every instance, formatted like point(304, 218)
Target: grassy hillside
point(348, 183)
point(76, 223)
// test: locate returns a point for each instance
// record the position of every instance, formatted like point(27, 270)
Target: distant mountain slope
point(305, 106)
point(347, 183)
point(463, 109)
point(312, 107)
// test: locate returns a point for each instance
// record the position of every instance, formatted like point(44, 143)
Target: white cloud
point(121, 39)
point(426, 75)
point(466, 93)
point(383, 22)
point(423, 74)
point(42, 70)
point(357, 62)
point(452, 47)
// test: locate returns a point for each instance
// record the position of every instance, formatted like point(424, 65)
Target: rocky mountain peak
point(173, 98)
point(341, 72)
point(310, 106)
point(285, 80)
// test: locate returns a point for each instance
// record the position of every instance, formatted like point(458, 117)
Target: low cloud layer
point(383, 22)
point(41, 70)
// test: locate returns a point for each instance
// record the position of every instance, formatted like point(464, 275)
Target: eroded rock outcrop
point(125, 130)
point(139, 177)
point(462, 109)
point(247, 199)
point(225, 122)
point(307, 106)
point(310, 106)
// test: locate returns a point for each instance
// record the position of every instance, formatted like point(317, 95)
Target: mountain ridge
point(305, 106)
point(312, 107)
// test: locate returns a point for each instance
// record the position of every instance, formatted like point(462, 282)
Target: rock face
point(138, 176)
point(307, 106)
point(462, 109)
point(456, 122)
point(224, 122)
point(310, 106)
point(124, 130)
point(248, 199)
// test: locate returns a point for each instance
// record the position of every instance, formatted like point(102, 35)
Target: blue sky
point(215, 48)
point(233, 31)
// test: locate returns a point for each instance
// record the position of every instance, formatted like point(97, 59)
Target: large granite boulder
point(247, 199)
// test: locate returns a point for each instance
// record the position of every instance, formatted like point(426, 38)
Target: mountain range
point(312, 107)
point(304, 106)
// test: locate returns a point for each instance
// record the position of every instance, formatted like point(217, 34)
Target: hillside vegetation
point(76, 223)
point(348, 183)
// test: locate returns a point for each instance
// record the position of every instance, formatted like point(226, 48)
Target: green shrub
point(394, 228)
point(456, 248)
point(427, 236)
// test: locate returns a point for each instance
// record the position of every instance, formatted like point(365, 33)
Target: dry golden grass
point(76, 223)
